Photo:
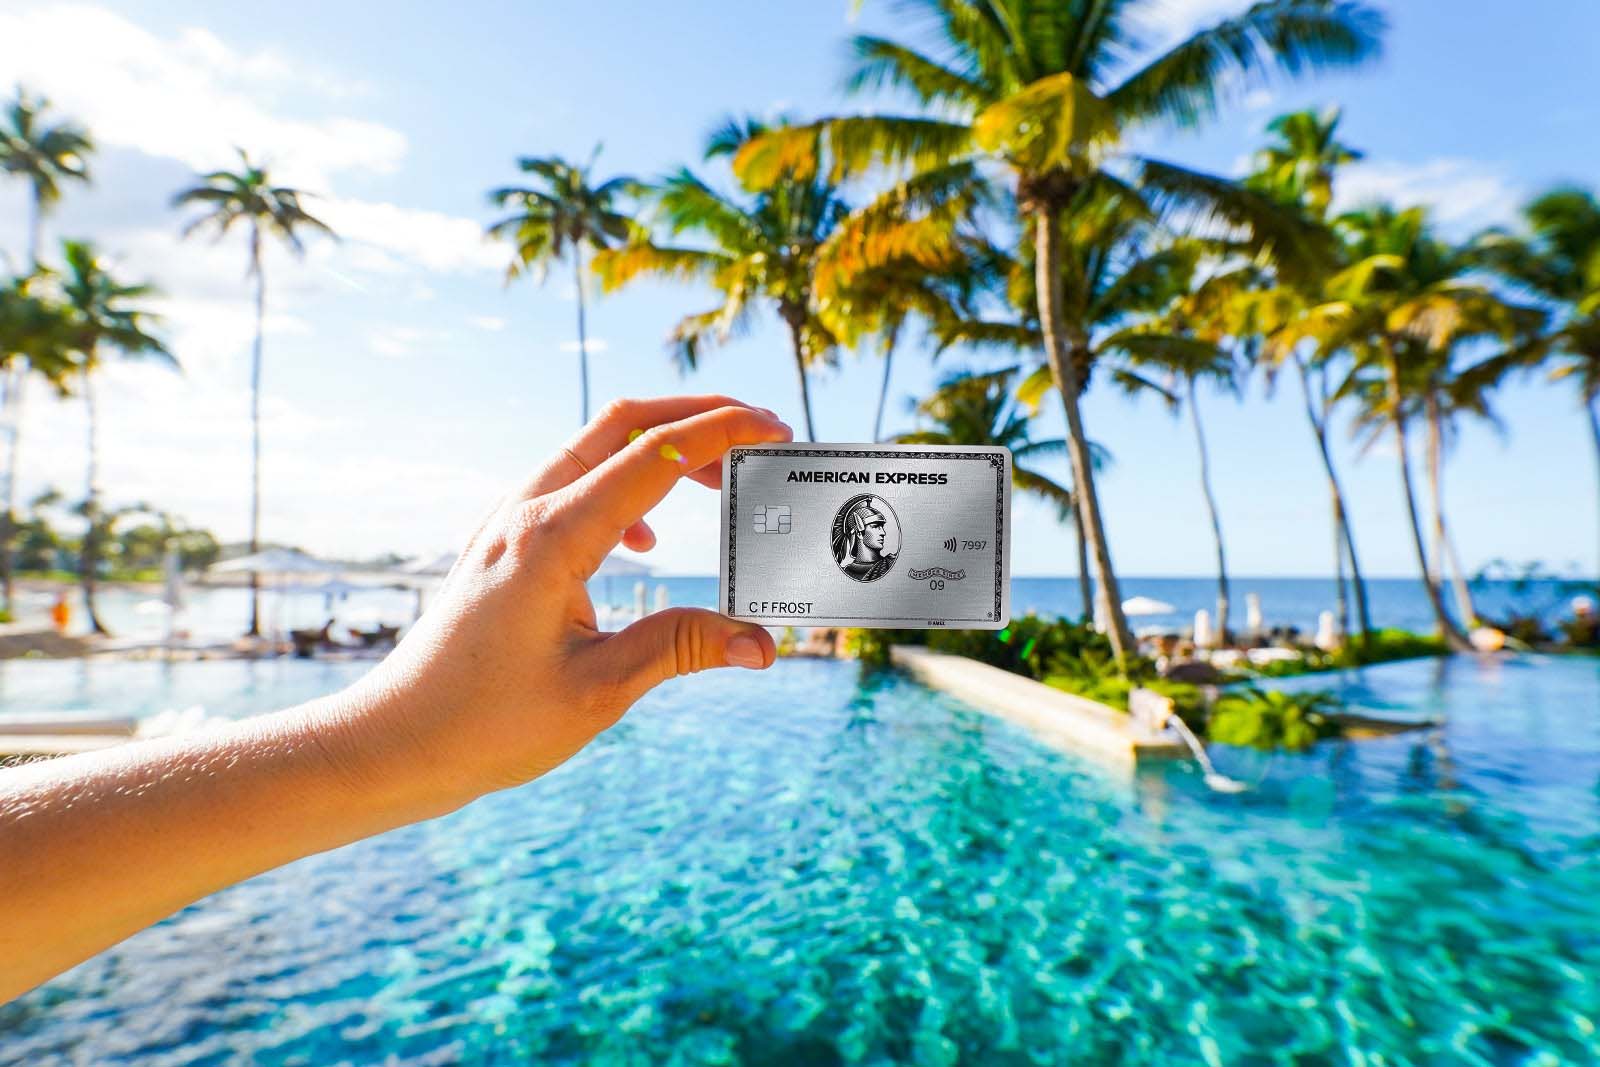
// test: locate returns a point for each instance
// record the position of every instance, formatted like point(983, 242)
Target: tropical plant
point(1558, 259)
point(762, 247)
point(1271, 719)
point(562, 214)
point(1298, 168)
point(1048, 91)
point(103, 316)
point(247, 195)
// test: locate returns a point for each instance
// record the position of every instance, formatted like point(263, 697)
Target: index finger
point(618, 493)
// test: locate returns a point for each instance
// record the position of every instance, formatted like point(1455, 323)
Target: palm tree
point(880, 303)
point(564, 213)
point(1298, 169)
point(1047, 91)
point(103, 315)
point(1299, 165)
point(33, 341)
point(1197, 324)
point(766, 246)
point(1401, 308)
point(969, 408)
point(44, 154)
point(1558, 260)
point(1117, 275)
point(248, 195)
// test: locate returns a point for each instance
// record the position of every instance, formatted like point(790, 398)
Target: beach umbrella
point(430, 567)
point(277, 561)
point(1143, 605)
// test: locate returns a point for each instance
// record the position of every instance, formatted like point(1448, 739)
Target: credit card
point(886, 536)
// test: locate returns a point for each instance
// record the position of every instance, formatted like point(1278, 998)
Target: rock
point(1194, 672)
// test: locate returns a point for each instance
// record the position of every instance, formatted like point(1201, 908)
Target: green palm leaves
point(561, 215)
point(247, 195)
point(750, 250)
point(42, 153)
point(1045, 90)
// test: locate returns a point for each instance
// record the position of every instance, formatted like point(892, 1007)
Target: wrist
point(374, 760)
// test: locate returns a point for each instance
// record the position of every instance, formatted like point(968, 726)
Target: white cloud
point(1462, 193)
point(491, 323)
point(594, 344)
point(1166, 22)
point(431, 239)
point(189, 96)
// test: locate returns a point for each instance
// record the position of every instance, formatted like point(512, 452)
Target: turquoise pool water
point(808, 868)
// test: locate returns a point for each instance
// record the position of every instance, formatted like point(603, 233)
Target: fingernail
point(769, 413)
point(745, 651)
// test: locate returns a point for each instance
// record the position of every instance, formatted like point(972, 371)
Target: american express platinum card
point(889, 536)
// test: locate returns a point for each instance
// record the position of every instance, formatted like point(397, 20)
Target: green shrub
point(1386, 645)
point(1270, 719)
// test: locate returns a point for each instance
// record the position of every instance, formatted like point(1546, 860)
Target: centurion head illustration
point(866, 537)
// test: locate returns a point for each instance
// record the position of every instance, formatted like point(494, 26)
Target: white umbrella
point(434, 567)
point(1143, 605)
point(275, 561)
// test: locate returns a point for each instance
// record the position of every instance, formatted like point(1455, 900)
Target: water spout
point(1217, 781)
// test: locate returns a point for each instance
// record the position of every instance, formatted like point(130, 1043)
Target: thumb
point(682, 641)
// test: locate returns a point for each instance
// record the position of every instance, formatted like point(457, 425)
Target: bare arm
point(505, 678)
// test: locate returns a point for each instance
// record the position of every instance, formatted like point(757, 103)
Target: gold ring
point(574, 457)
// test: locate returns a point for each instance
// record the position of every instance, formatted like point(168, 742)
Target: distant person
point(61, 613)
point(503, 679)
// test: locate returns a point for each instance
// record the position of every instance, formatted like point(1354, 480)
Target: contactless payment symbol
point(771, 518)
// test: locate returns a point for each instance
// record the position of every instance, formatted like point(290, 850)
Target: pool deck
point(1070, 723)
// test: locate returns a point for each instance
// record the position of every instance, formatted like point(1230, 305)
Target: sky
point(406, 385)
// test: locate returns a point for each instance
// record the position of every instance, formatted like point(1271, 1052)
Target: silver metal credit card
point(889, 536)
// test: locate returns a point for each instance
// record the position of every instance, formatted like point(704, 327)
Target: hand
point(507, 674)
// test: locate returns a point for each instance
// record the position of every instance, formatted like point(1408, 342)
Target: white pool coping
point(1070, 723)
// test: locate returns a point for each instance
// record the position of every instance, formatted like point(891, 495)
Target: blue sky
point(406, 386)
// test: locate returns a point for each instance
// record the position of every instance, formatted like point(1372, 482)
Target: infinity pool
point(808, 867)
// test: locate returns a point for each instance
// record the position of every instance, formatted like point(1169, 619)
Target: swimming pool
point(809, 867)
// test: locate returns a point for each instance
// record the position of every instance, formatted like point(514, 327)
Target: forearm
point(97, 846)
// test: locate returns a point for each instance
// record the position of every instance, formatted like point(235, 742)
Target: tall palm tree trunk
point(798, 343)
point(36, 227)
point(1591, 407)
point(1211, 508)
point(255, 427)
point(1343, 534)
point(1063, 365)
point(1085, 589)
point(89, 558)
point(15, 378)
point(1444, 552)
point(583, 339)
point(883, 390)
point(1445, 625)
